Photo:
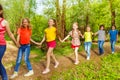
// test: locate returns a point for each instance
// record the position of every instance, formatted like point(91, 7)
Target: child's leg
point(56, 62)
point(19, 58)
point(18, 61)
point(112, 46)
point(26, 57)
point(76, 54)
point(85, 45)
point(89, 48)
point(50, 50)
point(53, 56)
point(101, 46)
point(3, 73)
point(48, 61)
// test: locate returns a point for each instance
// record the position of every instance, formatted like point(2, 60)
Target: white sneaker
point(56, 65)
point(88, 58)
point(112, 52)
point(76, 62)
point(46, 71)
point(15, 74)
point(29, 73)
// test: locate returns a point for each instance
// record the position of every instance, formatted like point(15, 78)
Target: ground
point(66, 62)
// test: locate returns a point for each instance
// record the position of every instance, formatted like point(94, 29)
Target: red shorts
point(51, 44)
point(72, 46)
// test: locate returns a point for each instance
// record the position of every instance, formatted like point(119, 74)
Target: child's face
point(25, 22)
point(113, 27)
point(102, 28)
point(88, 29)
point(75, 26)
point(51, 22)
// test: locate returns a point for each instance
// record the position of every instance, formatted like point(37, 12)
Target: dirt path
point(66, 62)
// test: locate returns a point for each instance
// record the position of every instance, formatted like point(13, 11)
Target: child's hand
point(62, 41)
point(82, 36)
point(17, 44)
point(39, 44)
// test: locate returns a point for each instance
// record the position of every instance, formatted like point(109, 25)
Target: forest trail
point(66, 62)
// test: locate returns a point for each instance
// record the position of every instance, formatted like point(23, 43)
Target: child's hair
point(76, 23)
point(101, 26)
point(114, 26)
point(1, 11)
point(55, 22)
point(88, 27)
point(29, 25)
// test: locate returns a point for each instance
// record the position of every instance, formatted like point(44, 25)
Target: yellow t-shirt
point(50, 34)
point(88, 36)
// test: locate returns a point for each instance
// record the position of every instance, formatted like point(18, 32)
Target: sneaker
point(46, 71)
point(29, 73)
point(56, 65)
point(112, 52)
point(88, 58)
point(15, 74)
point(76, 62)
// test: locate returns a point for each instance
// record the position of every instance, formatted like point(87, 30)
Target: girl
point(50, 36)
point(113, 37)
point(101, 39)
point(4, 27)
point(75, 34)
point(88, 41)
point(24, 38)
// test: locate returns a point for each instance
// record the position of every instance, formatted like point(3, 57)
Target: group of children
point(50, 34)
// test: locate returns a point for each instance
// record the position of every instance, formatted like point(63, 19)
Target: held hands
point(61, 41)
point(17, 44)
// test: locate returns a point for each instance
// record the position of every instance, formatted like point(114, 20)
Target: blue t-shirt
point(113, 34)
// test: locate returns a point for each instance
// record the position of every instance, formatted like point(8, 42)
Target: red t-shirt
point(25, 35)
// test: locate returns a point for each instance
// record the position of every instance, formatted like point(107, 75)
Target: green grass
point(61, 49)
point(39, 52)
point(107, 69)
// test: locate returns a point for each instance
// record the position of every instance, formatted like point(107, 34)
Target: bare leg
point(76, 55)
point(56, 62)
point(48, 60)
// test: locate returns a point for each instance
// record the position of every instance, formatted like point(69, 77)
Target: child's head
point(26, 23)
point(52, 22)
point(75, 25)
point(113, 27)
point(88, 28)
point(1, 11)
point(101, 27)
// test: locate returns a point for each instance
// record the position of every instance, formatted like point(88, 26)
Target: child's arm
point(34, 41)
point(59, 38)
point(18, 40)
point(42, 40)
point(95, 33)
point(66, 38)
point(80, 34)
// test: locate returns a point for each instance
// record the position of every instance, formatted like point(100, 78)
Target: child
point(75, 34)
point(88, 41)
point(101, 39)
point(24, 38)
point(113, 37)
point(50, 36)
point(4, 27)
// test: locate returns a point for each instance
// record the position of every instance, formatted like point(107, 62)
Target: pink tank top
point(2, 32)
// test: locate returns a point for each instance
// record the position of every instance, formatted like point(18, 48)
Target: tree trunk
point(58, 17)
point(63, 24)
point(112, 12)
point(87, 20)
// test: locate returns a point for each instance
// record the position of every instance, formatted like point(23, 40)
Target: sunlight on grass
point(108, 69)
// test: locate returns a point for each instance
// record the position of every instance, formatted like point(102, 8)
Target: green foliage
point(98, 12)
point(108, 69)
